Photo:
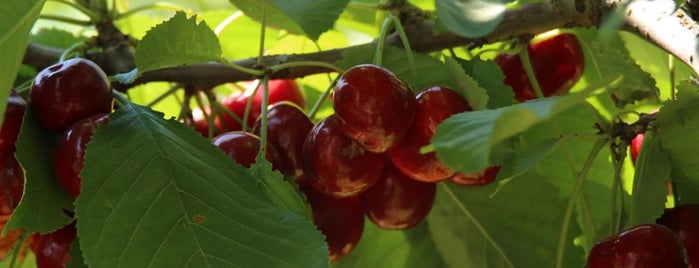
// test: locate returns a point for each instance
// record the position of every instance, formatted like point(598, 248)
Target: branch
point(655, 20)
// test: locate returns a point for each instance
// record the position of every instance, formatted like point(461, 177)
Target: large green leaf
point(490, 77)
point(156, 194)
point(16, 20)
point(280, 191)
point(476, 96)
point(44, 200)
point(391, 248)
point(295, 16)
point(470, 18)
point(175, 42)
point(677, 126)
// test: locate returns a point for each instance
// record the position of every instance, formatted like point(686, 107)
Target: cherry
point(335, 164)
point(243, 148)
point(647, 245)
point(287, 128)
point(69, 154)
point(557, 62)
point(14, 112)
point(52, 249)
point(341, 220)
point(433, 105)
point(485, 177)
point(278, 90)
point(374, 107)
point(684, 220)
point(396, 201)
point(635, 146)
point(11, 180)
point(69, 91)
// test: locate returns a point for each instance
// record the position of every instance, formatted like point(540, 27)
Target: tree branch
point(655, 20)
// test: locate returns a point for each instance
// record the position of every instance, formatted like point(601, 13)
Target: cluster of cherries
point(69, 99)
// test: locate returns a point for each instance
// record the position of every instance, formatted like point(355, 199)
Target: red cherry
point(11, 180)
point(684, 220)
point(287, 128)
point(434, 105)
point(374, 107)
point(558, 63)
point(243, 147)
point(340, 219)
point(69, 154)
point(398, 202)
point(70, 91)
point(335, 164)
point(648, 245)
point(52, 249)
point(635, 147)
point(278, 90)
point(485, 177)
point(14, 112)
point(407, 158)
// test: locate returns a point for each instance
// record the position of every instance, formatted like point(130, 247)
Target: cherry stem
point(427, 149)
point(527, 64)
point(263, 117)
point(227, 22)
point(321, 99)
point(671, 70)
point(208, 117)
point(65, 19)
point(617, 203)
point(378, 56)
point(294, 64)
point(156, 5)
point(263, 27)
point(248, 105)
point(120, 99)
point(406, 45)
point(577, 189)
point(94, 17)
point(17, 250)
point(246, 70)
point(173, 89)
point(218, 106)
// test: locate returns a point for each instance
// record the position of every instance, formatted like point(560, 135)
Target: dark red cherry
point(485, 177)
point(374, 107)
point(558, 63)
point(53, 249)
point(69, 154)
point(69, 91)
point(407, 158)
point(11, 180)
point(684, 220)
point(14, 112)
point(287, 128)
point(278, 90)
point(340, 219)
point(434, 105)
point(335, 164)
point(243, 147)
point(647, 245)
point(396, 201)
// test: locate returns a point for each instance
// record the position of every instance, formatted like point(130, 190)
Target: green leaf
point(176, 42)
point(470, 18)
point(490, 77)
point(157, 194)
point(475, 95)
point(54, 37)
point(677, 128)
point(295, 16)
point(649, 192)
point(280, 191)
point(611, 59)
point(16, 21)
point(44, 200)
point(76, 256)
point(465, 141)
point(429, 70)
point(391, 248)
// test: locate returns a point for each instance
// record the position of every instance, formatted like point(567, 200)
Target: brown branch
point(657, 21)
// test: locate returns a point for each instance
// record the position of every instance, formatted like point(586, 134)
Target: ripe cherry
point(433, 105)
point(558, 63)
point(52, 249)
point(243, 148)
point(635, 146)
point(684, 220)
point(287, 128)
point(340, 219)
point(374, 107)
point(485, 177)
point(335, 164)
point(278, 90)
point(14, 112)
point(69, 154)
point(647, 245)
point(69, 91)
point(11, 180)
point(396, 201)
